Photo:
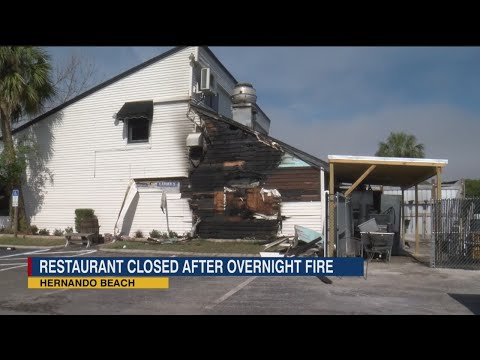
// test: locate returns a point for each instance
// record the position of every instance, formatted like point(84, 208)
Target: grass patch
point(196, 246)
point(30, 240)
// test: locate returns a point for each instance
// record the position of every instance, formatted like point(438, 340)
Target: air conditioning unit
point(195, 140)
point(205, 83)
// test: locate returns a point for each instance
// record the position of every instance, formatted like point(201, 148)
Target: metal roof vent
point(244, 93)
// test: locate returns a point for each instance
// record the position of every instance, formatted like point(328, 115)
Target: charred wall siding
point(300, 190)
point(225, 188)
point(237, 160)
point(295, 184)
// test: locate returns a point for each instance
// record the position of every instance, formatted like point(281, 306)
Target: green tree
point(400, 144)
point(472, 187)
point(25, 85)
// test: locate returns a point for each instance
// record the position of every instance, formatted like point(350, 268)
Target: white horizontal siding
point(222, 79)
point(92, 177)
point(263, 122)
point(4, 222)
point(424, 194)
point(306, 214)
point(424, 207)
point(149, 216)
point(83, 159)
point(227, 84)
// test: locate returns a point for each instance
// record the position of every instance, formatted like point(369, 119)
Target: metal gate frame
point(343, 225)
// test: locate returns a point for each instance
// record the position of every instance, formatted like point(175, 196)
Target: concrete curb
point(30, 246)
point(175, 253)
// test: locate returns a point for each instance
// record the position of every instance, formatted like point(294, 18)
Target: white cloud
point(447, 133)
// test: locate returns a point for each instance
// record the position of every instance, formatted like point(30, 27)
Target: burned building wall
point(237, 185)
point(295, 184)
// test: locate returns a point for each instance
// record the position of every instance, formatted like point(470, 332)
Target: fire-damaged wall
point(236, 186)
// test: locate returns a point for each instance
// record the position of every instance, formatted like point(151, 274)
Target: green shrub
point(33, 229)
point(172, 234)
point(155, 234)
point(6, 230)
point(139, 234)
point(83, 214)
point(44, 232)
point(58, 232)
point(69, 229)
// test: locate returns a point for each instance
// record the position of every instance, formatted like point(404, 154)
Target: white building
point(426, 196)
point(135, 126)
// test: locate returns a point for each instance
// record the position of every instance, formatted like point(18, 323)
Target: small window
point(138, 130)
point(211, 100)
point(4, 202)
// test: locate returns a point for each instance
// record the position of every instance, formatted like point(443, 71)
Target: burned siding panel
point(224, 190)
point(295, 184)
point(226, 228)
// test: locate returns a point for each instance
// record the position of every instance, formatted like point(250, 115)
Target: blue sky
point(344, 100)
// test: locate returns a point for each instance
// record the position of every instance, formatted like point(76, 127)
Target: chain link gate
point(456, 233)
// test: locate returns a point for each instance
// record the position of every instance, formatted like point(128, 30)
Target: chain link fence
point(456, 233)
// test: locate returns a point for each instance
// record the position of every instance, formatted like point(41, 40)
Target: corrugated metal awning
point(136, 110)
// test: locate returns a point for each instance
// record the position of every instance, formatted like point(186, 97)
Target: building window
point(4, 202)
point(211, 100)
point(138, 130)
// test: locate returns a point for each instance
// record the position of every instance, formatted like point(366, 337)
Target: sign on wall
point(169, 186)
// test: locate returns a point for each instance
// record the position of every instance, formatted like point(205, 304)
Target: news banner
point(154, 272)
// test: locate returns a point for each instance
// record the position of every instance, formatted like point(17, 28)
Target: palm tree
point(25, 85)
point(400, 144)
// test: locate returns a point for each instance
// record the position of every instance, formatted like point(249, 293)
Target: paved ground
point(403, 286)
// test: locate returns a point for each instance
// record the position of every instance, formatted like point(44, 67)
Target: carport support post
point(439, 207)
point(417, 244)
point(439, 184)
point(402, 218)
point(331, 214)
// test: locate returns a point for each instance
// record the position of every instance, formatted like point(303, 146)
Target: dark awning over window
point(136, 110)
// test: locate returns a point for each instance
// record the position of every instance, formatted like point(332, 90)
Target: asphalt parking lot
point(402, 286)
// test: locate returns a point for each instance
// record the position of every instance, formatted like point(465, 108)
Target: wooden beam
point(360, 179)
point(331, 212)
point(417, 240)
